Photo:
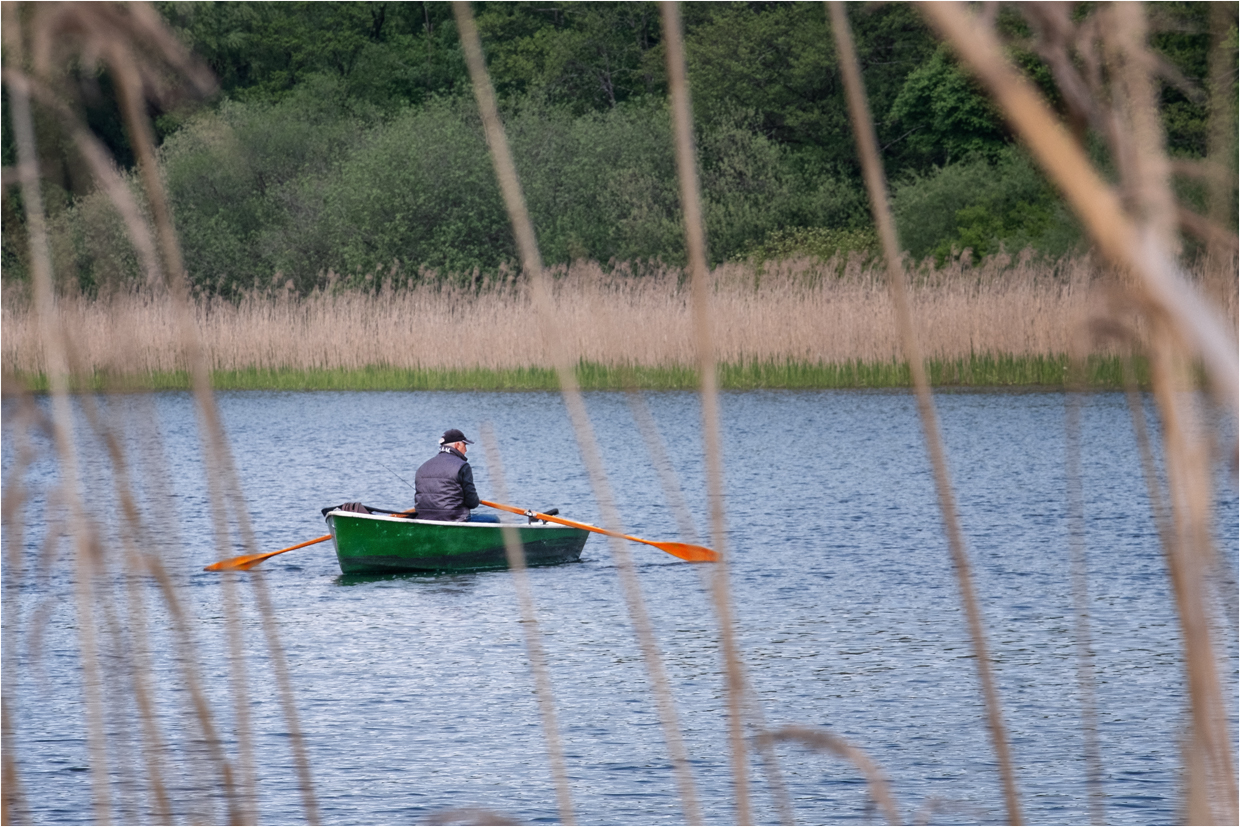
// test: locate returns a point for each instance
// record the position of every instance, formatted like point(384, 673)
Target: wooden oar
point(685, 551)
point(248, 561)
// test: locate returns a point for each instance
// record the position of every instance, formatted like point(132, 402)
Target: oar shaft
point(561, 520)
point(299, 545)
point(249, 561)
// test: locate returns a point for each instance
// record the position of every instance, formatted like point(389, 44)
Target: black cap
point(453, 435)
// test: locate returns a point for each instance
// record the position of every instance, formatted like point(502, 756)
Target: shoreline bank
point(978, 371)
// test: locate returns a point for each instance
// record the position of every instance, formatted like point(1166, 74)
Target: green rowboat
point(377, 544)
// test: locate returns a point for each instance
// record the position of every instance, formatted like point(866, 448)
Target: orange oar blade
point(248, 561)
point(242, 563)
point(685, 551)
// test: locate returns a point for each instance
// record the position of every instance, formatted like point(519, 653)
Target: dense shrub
point(419, 190)
point(309, 189)
point(305, 187)
point(248, 184)
point(980, 204)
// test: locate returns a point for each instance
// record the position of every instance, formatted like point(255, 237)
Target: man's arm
point(468, 493)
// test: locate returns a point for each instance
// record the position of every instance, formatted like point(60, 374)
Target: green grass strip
point(978, 371)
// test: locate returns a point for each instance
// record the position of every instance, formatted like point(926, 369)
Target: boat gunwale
point(462, 523)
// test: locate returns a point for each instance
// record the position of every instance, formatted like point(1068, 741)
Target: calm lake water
point(415, 694)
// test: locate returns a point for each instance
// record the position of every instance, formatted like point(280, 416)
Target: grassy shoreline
point(978, 371)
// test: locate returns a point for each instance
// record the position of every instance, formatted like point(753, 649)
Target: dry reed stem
point(219, 480)
point(1187, 469)
point(1195, 768)
point(197, 697)
point(1184, 325)
point(587, 444)
point(117, 673)
point(62, 416)
point(141, 55)
point(132, 100)
point(1098, 206)
point(224, 485)
point(533, 636)
point(14, 809)
point(680, 509)
point(186, 650)
point(668, 480)
point(288, 706)
point(12, 799)
point(139, 665)
point(1158, 504)
point(1188, 449)
point(704, 348)
point(867, 147)
point(1147, 178)
point(821, 739)
point(243, 804)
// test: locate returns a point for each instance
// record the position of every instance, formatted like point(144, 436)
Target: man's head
point(456, 439)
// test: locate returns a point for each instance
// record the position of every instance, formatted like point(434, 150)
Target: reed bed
point(773, 323)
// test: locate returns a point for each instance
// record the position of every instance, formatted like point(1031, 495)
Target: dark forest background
point(344, 142)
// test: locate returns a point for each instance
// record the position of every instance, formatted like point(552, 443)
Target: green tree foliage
point(584, 56)
point(422, 187)
point(386, 54)
point(982, 203)
point(1181, 34)
point(296, 188)
point(777, 63)
point(246, 183)
point(346, 139)
point(943, 114)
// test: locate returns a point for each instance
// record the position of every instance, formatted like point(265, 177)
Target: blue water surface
point(414, 693)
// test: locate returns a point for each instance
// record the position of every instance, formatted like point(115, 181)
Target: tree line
point(345, 142)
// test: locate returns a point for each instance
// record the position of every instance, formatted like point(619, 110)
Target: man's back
point(444, 486)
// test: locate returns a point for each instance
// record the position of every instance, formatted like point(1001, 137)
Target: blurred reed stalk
point(533, 636)
point(675, 498)
point(704, 348)
point(143, 59)
point(820, 739)
point(1139, 238)
point(876, 185)
point(562, 358)
point(53, 344)
point(13, 806)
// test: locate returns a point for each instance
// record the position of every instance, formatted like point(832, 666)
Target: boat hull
point(374, 544)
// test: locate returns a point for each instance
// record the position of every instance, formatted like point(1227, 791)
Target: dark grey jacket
point(444, 487)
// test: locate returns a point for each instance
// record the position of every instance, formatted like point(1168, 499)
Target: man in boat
point(444, 484)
